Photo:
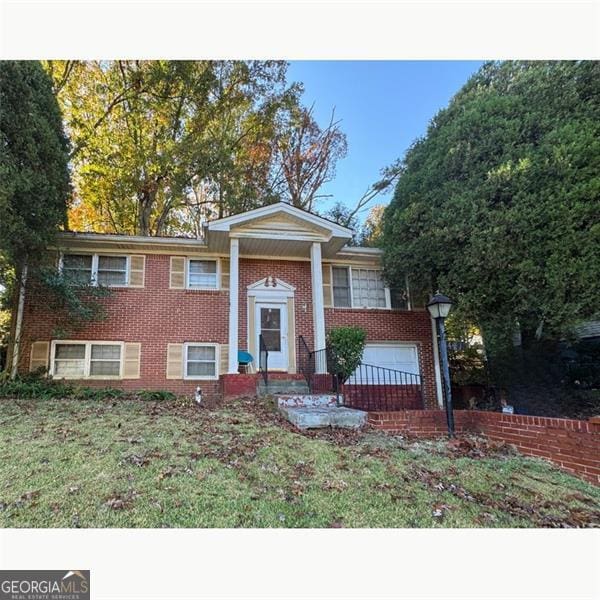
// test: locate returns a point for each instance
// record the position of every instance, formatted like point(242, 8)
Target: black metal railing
point(368, 388)
point(263, 359)
point(315, 365)
point(305, 361)
point(379, 388)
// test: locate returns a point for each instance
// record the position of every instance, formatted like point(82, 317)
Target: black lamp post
point(439, 306)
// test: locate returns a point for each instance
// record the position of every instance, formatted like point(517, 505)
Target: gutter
point(131, 239)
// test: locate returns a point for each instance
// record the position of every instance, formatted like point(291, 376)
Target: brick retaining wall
point(571, 444)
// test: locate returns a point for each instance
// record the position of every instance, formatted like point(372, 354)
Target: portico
point(285, 232)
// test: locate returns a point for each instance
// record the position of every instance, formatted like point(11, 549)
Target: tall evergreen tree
point(34, 174)
point(499, 204)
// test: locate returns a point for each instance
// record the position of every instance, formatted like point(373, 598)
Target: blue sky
point(383, 107)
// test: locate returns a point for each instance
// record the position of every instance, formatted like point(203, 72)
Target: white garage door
point(400, 357)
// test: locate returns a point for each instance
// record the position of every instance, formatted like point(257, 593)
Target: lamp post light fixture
point(439, 306)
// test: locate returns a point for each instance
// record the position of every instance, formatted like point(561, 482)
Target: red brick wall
point(394, 325)
point(296, 273)
point(240, 385)
point(573, 445)
point(155, 316)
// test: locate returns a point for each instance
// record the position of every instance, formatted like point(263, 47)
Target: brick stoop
point(571, 444)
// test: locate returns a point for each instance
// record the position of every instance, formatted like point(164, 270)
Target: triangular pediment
point(282, 225)
point(280, 219)
point(270, 283)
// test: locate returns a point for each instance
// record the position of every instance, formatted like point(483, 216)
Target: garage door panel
point(398, 357)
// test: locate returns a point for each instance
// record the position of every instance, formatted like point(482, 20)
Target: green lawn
point(128, 463)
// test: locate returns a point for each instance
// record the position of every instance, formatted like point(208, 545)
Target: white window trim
point(388, 299)
point(217, 361)
point(202, 287)
point(94, 274)
point(87, 358)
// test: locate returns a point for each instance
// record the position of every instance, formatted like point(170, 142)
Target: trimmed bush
point(346, 346)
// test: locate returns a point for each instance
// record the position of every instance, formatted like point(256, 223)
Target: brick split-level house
point(180, 308)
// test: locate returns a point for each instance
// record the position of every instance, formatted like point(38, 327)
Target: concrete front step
point(306, 400)
point(316, 417)
point(282, 386)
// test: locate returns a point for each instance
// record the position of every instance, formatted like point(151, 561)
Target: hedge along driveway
point(129, 463)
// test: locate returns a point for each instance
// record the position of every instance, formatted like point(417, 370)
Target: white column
point(317, 296)
point(234, 284)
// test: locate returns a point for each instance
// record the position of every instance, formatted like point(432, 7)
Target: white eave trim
point(361, 250)
point(226, 223)
point(130, 239)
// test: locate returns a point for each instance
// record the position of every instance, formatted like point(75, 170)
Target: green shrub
point(43, 389)
point(34, 386)
point(156, 395)
point(346, 346)
point(86, 393)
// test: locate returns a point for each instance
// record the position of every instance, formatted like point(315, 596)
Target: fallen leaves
point(478, 447)
point(337, 485)
point(121, 501)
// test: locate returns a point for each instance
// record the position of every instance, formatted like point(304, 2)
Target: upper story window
point(78, 267)
point(399, 298)
point(202, 274)
point(112, 270)
point(368, 289)
point(95, 269)
point(341, 287)
point(358, 288)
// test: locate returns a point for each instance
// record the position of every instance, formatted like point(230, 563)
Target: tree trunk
point(146, 202)
point(19, 321)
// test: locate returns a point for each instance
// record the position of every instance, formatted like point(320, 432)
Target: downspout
point(19, 322)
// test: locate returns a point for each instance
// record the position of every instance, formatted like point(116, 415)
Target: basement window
point(86, 360)
point(69, 361)
point(105, 360)
point(200, 361)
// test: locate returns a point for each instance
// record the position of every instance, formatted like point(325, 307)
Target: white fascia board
point(360, 250)
point(226, 223)
point(130, 239)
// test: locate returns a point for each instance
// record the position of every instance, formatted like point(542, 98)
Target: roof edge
point(139, 239)
point(361, 250)
point(222, 224)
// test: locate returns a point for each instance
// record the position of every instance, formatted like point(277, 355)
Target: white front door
point(271, 323)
